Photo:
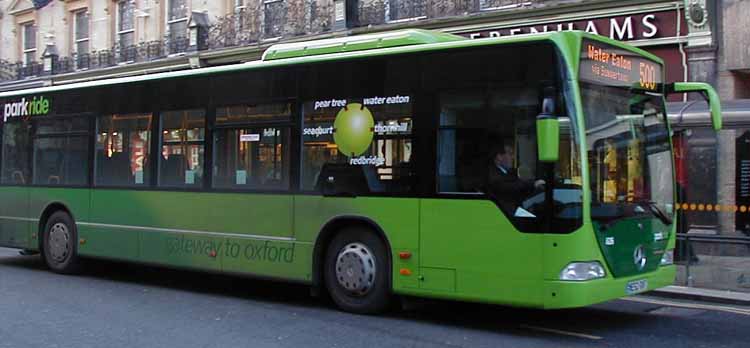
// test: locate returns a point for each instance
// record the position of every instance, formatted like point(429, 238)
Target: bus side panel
point(15, 221)
point(117, 207)
point(75, 199)
point(397, 217)
point(491, 260)
point(233, 232)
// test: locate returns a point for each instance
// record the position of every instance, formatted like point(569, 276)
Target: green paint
point(358, 43)
point(548, 139)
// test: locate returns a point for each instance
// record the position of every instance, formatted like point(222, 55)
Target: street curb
point(698, 294)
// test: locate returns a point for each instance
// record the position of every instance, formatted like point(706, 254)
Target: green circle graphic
point(353, 129)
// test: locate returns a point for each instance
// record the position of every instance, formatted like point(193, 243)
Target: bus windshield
point(629, 153)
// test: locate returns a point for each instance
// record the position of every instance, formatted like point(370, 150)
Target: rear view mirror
point(707, 91)
point(548, 132)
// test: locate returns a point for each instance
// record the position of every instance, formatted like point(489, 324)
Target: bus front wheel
point(357, 271)
point(60, 244)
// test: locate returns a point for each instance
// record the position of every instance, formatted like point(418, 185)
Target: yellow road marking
point(560, 332)
point(690, 305)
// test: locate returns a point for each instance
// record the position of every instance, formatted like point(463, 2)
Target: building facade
point(48, 42)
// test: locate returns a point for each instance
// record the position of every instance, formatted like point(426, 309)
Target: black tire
point(376, 298)
point(60, 244)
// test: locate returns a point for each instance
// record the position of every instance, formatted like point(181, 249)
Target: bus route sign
point(613, 66)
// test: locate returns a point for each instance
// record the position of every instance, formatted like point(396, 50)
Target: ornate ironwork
point(405, 9)
point(240, 28)
point(274, 18)
point(371, 12)
point(504, 4)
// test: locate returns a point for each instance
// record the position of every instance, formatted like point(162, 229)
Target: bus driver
point(504, 184)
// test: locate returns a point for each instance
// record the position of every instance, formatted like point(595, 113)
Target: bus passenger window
point(61, 155)
point(361, 145)
point(122, 150)
point(251, 145)
point(182, 148)
point(16, 153)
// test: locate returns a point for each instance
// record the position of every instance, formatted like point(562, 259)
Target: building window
point(125, 23)
point(405, 10)
point(81, 34)
point(274, 18)
point(177, 19)
point(490, 5)
point(182, 140)
point(251, 145)
point(28, 42)
point(122, 150)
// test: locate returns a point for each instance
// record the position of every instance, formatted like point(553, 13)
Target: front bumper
point(568, 294)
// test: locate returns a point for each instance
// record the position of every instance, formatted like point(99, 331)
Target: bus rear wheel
point(60, 244)
point(357, 271)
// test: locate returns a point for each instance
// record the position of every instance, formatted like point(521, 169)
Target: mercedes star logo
point(639, 257)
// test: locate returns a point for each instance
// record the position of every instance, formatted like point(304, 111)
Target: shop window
point(122, 150)
point(251, 146)
point(61, 155)
point(16, 153)
point(182, 148)
point(358, 145)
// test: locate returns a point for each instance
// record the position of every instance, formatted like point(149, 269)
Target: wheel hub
point(355, 268)
point(59, 240)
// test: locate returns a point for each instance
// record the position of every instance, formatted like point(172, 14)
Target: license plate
point(636, 286)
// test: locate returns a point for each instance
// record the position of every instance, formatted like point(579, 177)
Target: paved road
point(123, 305)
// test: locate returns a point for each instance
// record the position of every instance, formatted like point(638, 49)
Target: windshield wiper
point(659, 213)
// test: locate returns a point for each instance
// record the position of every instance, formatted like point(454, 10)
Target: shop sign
point(662, 24)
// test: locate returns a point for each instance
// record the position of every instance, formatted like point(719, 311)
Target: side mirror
point(548, 133)
point(707, 92)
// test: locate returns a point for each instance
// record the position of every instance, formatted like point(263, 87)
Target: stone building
point(47, 42)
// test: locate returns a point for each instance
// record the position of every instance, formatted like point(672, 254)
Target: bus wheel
point(60, 244)
point(357, 271)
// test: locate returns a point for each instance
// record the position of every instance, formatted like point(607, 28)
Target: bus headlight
point(667, 258)
point(582, 271)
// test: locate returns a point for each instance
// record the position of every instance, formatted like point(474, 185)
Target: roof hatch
point(357, 43)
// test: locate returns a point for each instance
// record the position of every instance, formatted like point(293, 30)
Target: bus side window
point(251, 147)
point(122, 150)
point(61, 155)
point(182, 148)
point(16, 153)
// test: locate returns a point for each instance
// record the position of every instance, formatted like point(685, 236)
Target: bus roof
point(396, 42)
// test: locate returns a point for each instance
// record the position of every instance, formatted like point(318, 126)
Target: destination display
point(613, 66)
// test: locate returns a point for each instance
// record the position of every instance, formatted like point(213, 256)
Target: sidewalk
point(700, 294)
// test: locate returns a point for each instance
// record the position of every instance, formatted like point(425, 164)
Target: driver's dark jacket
point(507, 189)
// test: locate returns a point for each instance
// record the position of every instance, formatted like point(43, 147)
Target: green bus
point(531, 171)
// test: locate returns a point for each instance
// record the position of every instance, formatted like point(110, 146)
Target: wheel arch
point(329, 231)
